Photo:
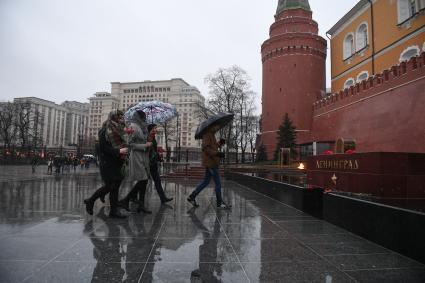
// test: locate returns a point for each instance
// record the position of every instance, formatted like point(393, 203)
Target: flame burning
point(301, 166)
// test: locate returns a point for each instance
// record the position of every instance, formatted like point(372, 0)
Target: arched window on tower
point(362, 76)
point(348, 46)
point(348, 83)
point(361, 37)
point(409, 52)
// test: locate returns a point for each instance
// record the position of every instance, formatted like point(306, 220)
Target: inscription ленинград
point(337, 164)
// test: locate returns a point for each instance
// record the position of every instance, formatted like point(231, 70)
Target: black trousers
point(111, 187)
point(139, 188)
point(157, 181)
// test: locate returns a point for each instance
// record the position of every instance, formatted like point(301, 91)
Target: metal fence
point(24, 155)
point(189, 156)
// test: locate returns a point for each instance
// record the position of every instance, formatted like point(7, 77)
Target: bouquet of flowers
point(126, 166)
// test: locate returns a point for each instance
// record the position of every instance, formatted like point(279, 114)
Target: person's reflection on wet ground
point(106, 249)
point(207, 251)
point(140, 247)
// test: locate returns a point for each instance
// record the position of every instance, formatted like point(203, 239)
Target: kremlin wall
point(383, 113)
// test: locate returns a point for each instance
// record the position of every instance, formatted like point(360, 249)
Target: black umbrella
point(221, 119)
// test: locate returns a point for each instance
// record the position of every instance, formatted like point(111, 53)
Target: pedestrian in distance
point(57, 164)
point(154, 159)
point(34, 163)
point(211, 161)
point(75, 163)
point(138, 161)
point(113, 150)
point(50, 166)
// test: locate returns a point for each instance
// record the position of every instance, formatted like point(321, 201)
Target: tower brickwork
point(293, 71)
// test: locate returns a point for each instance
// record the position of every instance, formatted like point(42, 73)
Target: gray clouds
point(67, 50)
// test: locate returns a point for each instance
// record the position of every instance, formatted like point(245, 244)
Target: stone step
point(192, 173)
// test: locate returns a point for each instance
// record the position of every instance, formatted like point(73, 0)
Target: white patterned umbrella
point(156, 111)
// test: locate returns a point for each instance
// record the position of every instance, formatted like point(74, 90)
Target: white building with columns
point(101, 103)
point(187, 99)
point(57, 125)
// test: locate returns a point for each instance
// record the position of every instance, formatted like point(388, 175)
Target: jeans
point(210, 172)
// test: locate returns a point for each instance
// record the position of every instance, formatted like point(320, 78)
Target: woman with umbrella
point(154, 112)
point(211, 156)
point(138, 160)
point(154, 159)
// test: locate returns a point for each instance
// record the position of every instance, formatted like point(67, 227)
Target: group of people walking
point(140, 148)
point(64, 164)
point(142, 162)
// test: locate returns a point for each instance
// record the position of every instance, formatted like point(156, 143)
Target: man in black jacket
point(112, 152)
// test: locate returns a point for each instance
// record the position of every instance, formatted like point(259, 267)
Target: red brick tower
point(293, 71)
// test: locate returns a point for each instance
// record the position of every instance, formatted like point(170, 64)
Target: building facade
point(374, 36)
point(378, 78)
point(293, 71)
point(55, 125)
point(101, 103)
point(177, 92)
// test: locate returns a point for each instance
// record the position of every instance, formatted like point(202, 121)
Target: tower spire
point(292, 4)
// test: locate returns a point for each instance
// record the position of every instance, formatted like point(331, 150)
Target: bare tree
point(7, 121)
point(23, 122)
point(230, 92)
point(253, 125)
point(245, 119)
point(226, 87)
point(36, 130)
point(169, 129)
point(202, 112)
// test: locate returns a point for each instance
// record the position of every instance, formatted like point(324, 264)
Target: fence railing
point(24, 155)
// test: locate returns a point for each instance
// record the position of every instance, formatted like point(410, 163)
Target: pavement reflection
point(46, 236)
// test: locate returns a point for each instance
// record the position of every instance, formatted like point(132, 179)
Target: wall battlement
point(381, 83)
point(294, 50)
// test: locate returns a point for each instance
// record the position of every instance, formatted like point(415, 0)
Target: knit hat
point(151, 126)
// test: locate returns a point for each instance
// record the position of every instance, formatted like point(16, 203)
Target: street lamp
point(177, 147)
point(80, 140)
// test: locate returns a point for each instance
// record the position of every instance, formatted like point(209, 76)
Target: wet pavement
point(46, 236)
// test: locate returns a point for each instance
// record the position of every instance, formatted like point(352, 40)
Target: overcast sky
point(69, 49)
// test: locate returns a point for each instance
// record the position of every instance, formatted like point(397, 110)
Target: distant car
point(89, 156)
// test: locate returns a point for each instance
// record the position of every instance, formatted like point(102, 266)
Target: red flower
point(328, 152)
point(350, 151)
point(128, 130)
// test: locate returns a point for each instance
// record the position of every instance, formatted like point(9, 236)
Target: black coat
point(110, 160)
point(154, 157)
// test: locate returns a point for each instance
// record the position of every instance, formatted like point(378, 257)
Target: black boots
point(192, 200)
point(143, 209)
point(165, 200)
point(113, 199)
point(115, 213)
point(89, 205)
point(125, 204)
